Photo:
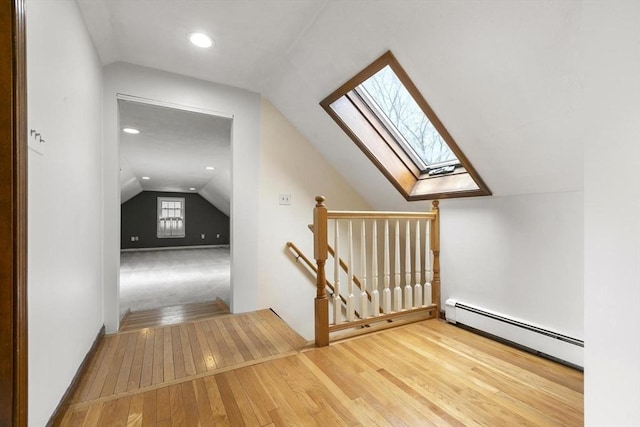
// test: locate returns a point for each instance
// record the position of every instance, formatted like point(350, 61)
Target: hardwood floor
point(426, 373)
point(173, 315)
point(155, 357)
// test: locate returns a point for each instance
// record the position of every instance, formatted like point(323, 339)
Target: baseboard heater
point(541, 340)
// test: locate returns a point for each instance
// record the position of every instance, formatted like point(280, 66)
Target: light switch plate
point(285, 199)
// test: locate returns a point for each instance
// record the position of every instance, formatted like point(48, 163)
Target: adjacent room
point(175, 197)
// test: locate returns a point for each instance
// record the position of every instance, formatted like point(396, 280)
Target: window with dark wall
point(140, 218)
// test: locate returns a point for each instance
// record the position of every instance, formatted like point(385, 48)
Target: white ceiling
point(173, 149)
point(504, 77)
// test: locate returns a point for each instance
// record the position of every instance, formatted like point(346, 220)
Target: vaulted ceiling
point(175, 150)
point(503, 77)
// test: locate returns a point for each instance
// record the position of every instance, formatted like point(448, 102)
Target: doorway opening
point(175, 198)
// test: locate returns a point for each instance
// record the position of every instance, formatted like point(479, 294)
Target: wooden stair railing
point(419, 295)
point(311, 266)
point(344, 267)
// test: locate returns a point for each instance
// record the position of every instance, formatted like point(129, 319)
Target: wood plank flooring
point(173, 315)
point(426, 373)
point(155, 357)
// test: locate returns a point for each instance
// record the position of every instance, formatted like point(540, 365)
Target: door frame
point(182, 107)
point(13, 215)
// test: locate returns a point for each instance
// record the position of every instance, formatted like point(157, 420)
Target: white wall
point(518, 255)
point(612, 215)
point(244, 107)
point(290, 165)
point(65, 200)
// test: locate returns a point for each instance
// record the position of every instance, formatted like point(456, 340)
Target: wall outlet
point(202, 236)
point(133, 238)
point(285, 199)
point(218, 236)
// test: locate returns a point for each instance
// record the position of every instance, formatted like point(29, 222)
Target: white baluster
point(427, 264)
point(418, 283)
point(375, 295)
point(427, 294)
point(350, 297)
point(364, 301)
point(408, 289)
point(397, 290)
point(386, 293)
point(337, 303)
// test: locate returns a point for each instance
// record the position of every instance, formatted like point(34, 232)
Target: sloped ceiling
point(503, 77)
point(173, 149)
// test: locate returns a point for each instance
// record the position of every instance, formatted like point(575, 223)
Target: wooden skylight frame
point(379, 144)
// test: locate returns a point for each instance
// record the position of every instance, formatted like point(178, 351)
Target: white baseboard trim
point(167, 248)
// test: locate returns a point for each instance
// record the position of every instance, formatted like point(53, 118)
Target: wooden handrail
point(379, 215)
point(307, 261)
point(343, 265)
point(301, 255)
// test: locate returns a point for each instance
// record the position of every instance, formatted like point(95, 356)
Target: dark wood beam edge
point(13, 215)
point(20, 214)
point(65, 402)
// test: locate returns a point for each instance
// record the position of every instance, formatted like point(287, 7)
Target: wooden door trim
point(13, 215)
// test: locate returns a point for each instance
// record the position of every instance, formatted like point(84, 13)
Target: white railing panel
point(364, 298)
point(350, 297)
point(375, 295)
point(411, 276)
point(417, 288)
point(428, 297)
point(386, 293)
point(408, 289)
point(397, 290)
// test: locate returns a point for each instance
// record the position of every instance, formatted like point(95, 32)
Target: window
point(392, 103)
point(170, 217)
point(387, 117)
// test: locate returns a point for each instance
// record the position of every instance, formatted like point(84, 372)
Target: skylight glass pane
point(400, 109)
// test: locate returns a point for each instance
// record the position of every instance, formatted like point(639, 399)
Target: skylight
point(385, 94)
point(385, 114)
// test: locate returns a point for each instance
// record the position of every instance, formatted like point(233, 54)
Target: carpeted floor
point(153, 279)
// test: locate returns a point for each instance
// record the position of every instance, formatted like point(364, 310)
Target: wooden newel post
point(435, 247)
point(320, 250)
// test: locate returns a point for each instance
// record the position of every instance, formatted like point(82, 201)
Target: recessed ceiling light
point(192, 189)
point(145, 178)
point(209, 168)
point(201, 40)
point(131, 131)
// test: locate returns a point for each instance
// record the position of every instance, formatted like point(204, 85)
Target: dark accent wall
point(140, 217)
